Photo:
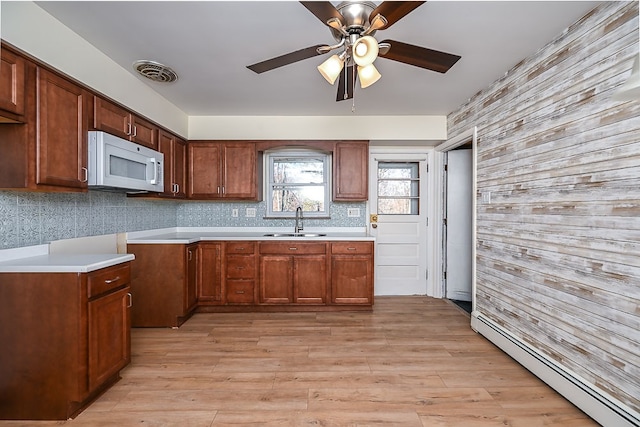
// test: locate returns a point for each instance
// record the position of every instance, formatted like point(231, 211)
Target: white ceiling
point(210, 43)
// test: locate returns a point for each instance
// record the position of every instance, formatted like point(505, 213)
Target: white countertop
point(63, 263)
point(193, 235)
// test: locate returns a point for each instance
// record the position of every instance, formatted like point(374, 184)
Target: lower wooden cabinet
point(240, 272)
point(163, 283)
point(210, 273)
point(73, 339)
point(293, 273)
point(171, 281)
point(352, 273)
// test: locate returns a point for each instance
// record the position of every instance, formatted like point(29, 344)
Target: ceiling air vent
point(155, 71)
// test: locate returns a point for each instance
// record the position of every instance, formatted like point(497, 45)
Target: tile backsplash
point(31, 218)
point(220, 214)
point(28, 218)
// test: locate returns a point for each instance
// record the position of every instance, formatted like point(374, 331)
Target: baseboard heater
point(600, 406)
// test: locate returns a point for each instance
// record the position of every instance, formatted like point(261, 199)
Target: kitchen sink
point(295, 234)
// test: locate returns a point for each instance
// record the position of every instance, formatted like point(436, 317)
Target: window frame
point(277, 154)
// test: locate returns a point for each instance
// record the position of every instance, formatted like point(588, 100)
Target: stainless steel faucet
point(299, 220)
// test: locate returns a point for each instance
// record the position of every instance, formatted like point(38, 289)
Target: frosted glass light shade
point(368, 75)
point(331, 68)
point(365, 51)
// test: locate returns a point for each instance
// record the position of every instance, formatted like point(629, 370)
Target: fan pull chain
point(353, 98)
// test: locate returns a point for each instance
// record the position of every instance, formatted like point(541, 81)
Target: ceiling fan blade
point(282, 60)
point(394, 11)
point(420, 56)
point(348, 78)
point(323, 10)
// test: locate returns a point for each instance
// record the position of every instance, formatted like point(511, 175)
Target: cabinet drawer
point(108, 279)
point(293, 248)
point(240, 291)
point(240, 267)
point(240, 248)
point(352, 248)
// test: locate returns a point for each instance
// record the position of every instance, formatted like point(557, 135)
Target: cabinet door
point(351, 169)
point(190, 291)
point(166, 143)
point(210, 273)
point(111, 118)
point(109, 336)
point(62, 132)
point(310, 279)
point(12, 84)
point(204, 170)
point(351, 279)
point(276, 279)
point(179, 168)
point(144, 132)
point(240, 181)
point(175, 157)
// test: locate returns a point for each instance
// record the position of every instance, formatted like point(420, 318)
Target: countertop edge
point(64, 263)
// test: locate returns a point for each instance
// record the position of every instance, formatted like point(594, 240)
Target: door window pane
point(398, 188)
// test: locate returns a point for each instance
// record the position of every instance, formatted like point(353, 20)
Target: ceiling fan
point(353, 24)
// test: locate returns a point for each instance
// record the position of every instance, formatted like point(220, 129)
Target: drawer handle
point(239, 292)
point(351, 249)
point(293, 249)
point(108, 282)
point(239, 268)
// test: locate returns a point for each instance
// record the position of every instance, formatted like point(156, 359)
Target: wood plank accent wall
point(558, 247)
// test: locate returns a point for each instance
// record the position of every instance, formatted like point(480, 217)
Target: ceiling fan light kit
point(353, 24)
point(365, 51)
point(368, 75)
point(331, 68)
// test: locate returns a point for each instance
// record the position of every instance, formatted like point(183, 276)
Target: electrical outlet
point(353, 212)
point(251, 213)
point(486, 197)
point(234, 213)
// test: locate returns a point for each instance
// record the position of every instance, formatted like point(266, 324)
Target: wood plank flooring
point(413, 361)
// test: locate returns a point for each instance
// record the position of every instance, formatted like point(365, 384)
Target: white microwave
point(118, 164)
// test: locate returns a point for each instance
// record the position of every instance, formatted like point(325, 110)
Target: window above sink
point(297, 178)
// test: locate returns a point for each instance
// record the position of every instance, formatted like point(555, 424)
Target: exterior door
point(398, 220)
point(459, 196)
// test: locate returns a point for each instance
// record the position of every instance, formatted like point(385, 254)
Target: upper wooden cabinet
point(351, 171)
point(12, 86)
point(175, 162)
point(118, 121)
point(222, 170)
point(49, 151)
point(62, 131)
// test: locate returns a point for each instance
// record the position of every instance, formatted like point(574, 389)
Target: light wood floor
point(413, 361)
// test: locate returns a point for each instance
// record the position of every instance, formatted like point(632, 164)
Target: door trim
point(438, 250)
